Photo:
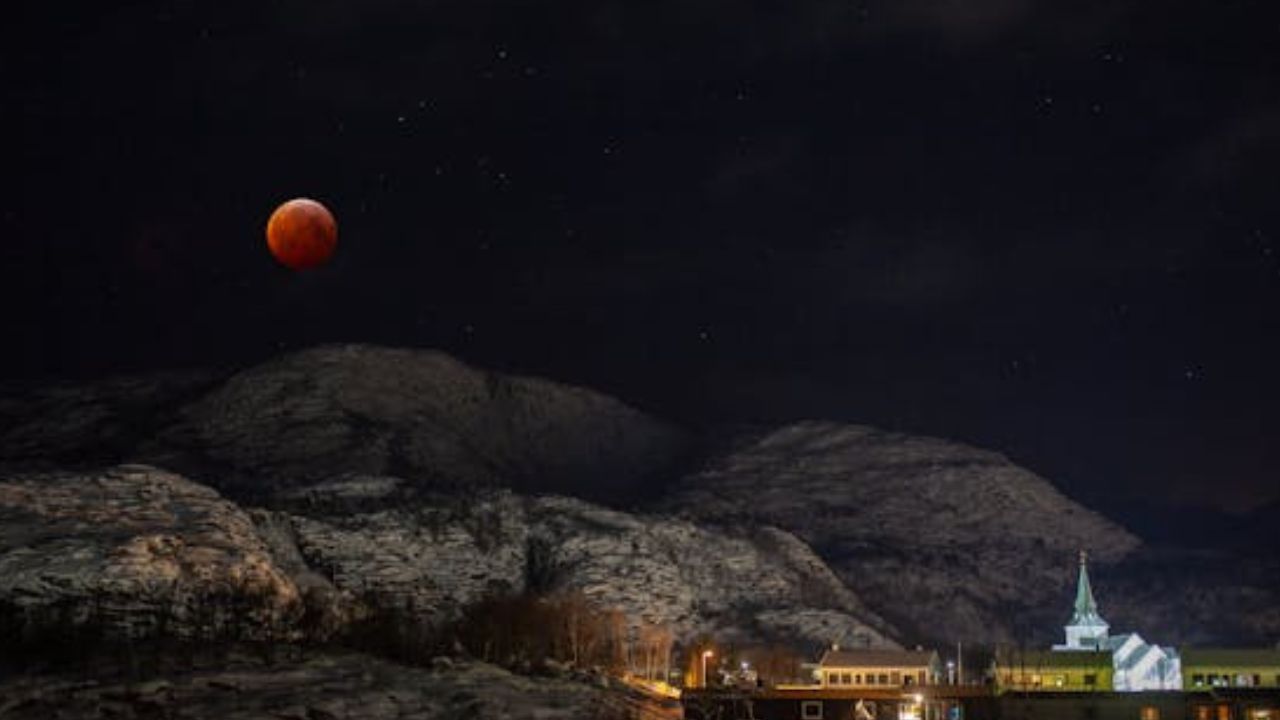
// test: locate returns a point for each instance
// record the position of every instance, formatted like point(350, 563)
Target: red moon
point(302, 234)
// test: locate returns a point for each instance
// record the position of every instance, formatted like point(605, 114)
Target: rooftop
point(1237, 657)
point(869, 657)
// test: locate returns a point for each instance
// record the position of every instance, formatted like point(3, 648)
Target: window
point(1224, 712)
point(1204, 712)
point(1149, 713)
point(895, 678)
point(1090, 680)
point(1257, 680)
point(883, 679)
point(1197, 680)
point(846, 679)
point(832, 678)
point(811, 709)
point(857, 679)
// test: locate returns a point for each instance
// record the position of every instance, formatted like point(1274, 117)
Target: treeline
point(526, 632)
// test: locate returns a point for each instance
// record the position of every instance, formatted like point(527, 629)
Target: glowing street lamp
point(705, 654)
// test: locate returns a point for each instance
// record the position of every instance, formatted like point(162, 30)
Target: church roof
point(1086, 608)
point(1045, 659)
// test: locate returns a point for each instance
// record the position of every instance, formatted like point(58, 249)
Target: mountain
point(945, 539)
point(950, 542)
point(409, 475)
point(419, 415)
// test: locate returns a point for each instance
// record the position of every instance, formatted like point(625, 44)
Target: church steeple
point(1086, 608)
point(1087, 630)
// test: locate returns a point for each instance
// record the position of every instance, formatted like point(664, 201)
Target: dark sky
point(1049, 228)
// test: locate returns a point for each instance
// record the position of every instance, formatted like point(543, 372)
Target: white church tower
point(1087, 630)
point(1138, 664)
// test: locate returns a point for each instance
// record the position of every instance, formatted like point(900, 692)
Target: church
point(1136, 664)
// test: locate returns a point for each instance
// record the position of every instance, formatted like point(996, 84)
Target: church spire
point(1086, 608)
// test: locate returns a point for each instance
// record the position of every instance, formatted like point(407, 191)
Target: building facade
point(1230, 667)
point(873, 668)
point(1052, 671)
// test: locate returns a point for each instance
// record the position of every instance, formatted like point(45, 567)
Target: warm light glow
point(707, 653)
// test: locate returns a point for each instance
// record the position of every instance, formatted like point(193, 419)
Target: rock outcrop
point(137, 546)
point(948, 541)
point(750, 584)
point(140, 543)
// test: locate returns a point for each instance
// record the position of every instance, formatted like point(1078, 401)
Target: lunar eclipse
point(302, 234)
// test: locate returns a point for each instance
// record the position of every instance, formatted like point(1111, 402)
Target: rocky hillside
point(133, 545)
point(418, 415)
point(950, 542)
point(410, 475)
point(335, 410)
point(331, 687)
point(144, 543)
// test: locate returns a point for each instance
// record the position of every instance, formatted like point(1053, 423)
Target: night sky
point(1051, 229)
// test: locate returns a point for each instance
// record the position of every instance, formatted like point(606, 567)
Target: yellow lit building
point(873, 668)
point(1230, 667)
point(1053, 671)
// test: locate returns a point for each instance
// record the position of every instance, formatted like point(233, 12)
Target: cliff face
point(950, 541)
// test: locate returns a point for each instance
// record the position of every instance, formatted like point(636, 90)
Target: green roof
point(1037, 659)
point(1230, 657)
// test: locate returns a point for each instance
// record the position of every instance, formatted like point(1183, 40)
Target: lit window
point(883, 679)
point(832, 678)
point(1197, 680)
point(1149, 713)
point(1224, 712)
point(846, 679)
point(811, 710)
point(857, 679)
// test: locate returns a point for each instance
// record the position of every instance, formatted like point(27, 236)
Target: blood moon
point(302, 234)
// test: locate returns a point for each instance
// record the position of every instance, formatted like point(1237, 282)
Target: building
point(875, 668)
point(1230, 667)
point(1052, 671)
point(1137, 665)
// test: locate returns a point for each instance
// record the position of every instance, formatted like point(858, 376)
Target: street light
point(705, 654)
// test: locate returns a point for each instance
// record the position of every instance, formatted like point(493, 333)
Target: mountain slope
point(422, 416)
point(945, 539)
point(139, 543)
